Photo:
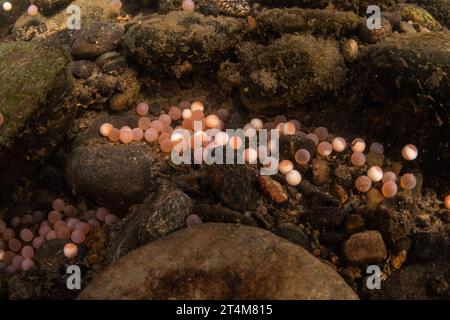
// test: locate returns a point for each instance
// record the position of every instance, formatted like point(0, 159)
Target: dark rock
point(354, 223)
point(217, 213)
point(364, 248)
point(320, 170)
point(393, 224)
point(81, 69)
point(267, 82)
point(51, 178)
point(228, 182)
point(218, 261)
point(375, 35)
point(195, 43)
point(35, 103)
point(428, 246)
point(49, 7)
point(411, 12)
point(289, 144)
point(3, 287)
point(439, 9)
point(292, 233)
point(155, 217)
point(96, 39)
point(114, 175)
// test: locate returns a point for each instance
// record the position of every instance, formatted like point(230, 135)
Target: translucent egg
point(69, 211)
point(28, 264)
point(175, 113)
point(115, 5)
point(358, 145)
point(447, 201)
point(105, 129)
point(32, 10)
point(256, 123)
point(70, 250)
point(288, 128)
point(14, 245)
point(389, 176)
point(142, 109)
point(376, 148)
point(26, 235)
point(77, 236)
point(7, 6)
point(27, 252)
point(157, 125)
point(235, 142)
point(250, 156)
point(302, 156)
point(389, 189)
point(409, 152)
point(186, 114)
point(358, 159)
point(293, 177)
point(58, 205)
point(285, 166)
point(324, 148)
point(212, 121)
point(408, 181)
point(197, 105)
point(313, 137)
point(114, 135)
point(187, 5)
point(193, 220)
point(54, 216)
point(375, 173)
point(296, 124)
point(102, 213)
point(321, 133)
point(223, 114)
point(363, 183)
point(38, 242)
point(151, 135)
point(144, 123)
point(339, 144)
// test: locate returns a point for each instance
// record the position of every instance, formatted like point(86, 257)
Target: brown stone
point(365, 247)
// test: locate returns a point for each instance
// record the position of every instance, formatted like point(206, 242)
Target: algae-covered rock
point(182, 42)
point(292, 69)
point(51, 6)
point(33, 93)
point(320, 22)
point(439, 9)
point(417, 14)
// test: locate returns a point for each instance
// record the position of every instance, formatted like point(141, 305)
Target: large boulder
point(292, 69)
point(34, 100)
point(181, 42)
point(219, 261)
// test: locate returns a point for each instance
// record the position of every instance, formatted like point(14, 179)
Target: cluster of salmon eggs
point(28, 233)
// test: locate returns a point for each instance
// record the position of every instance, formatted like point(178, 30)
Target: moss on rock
point(417, 14)
point(34, 86)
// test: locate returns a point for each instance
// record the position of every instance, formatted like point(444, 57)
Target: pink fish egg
point(111, 219)
point(296, 124)
point(339, 144)
point(38, 242)
point(250, 156)
point(165, 119)
point(44, 230)
point(116, 5)
point(7, 6)
point(83, 227)
point(71, 223)
point(157, 125)
point(126, 135)
point(166, 145)
point(26, 219)
point(324, 148)
point(63, 233)
point(33, 10)
point(408, 181)
point(302, 156)
point(188, 5)
point(235, 142)
point(27, 252)
point(409, 152)
point(313, 137)
point(376, 148)
point(90, 214)
point(78, 236)
point(138, 134)
point(279, 119)
point(26, 235)
point(151, 135)
point(58, 224)
point(144, 123)
point(8, 234)
point(447, 201)
point(102, 213)
point(186, 114)
point(58, 205)
point(105, 129)
point(223, 114)
point(175, 113)
point(285, 166)
point(17, 262)
point(51, 235)
point(54, 216)
point(2, 226)
point(70, 250)
point(28, 264)
point(301, 134)
point(142, 109)
point(15, 222)
point(193, 220)
point(321, 133)
point(114, 135)
point(10, 269)
point(389, 176)
point(164, 136)
point(375, 173)
point(197, 105)
point(256, 123)
point(358, 145)
point(14, 245)
point(289, 128)
point(389, 189)
point(184, 105)
point(358, 159)
point(69, 211)
point(212, 121)
point(293, 178)
point(363, 183)
point(93, 224)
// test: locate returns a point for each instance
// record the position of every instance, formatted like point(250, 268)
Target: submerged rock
point(194, 43)
point(440, 9)
point(292, 69)
point(34, 102)
point(364, 248)
point(410, 12)
point(155, 217)
point(51, 6)
point(218, 261)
